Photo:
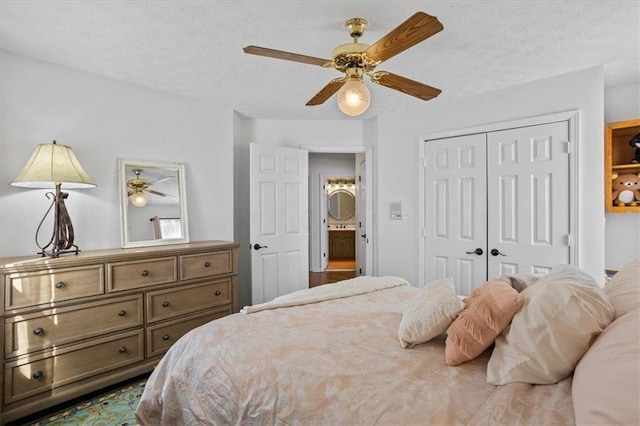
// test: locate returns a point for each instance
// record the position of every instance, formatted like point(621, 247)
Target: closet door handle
point(496, 252)
point(258, 246)
point(477, 251)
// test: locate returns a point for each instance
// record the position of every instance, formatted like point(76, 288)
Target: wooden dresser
point(78, 323)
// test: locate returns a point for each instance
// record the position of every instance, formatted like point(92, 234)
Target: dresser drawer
point(161, 336)
point(142, 273)
point(53, 327)
point(206, 265)
point(164, 304)
point(25, 289)
point(34, 375)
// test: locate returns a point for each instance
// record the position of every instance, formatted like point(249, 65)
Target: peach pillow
point(624, 289)
point(429, 313)
point(563, 313)
point(605, 383)
point(488, 311)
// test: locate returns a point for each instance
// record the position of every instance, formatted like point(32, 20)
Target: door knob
point(477, 251)
point(496, 252)
point(258, 246)
point(364, 235)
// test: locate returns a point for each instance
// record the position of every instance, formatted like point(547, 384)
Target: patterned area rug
point(111, 409)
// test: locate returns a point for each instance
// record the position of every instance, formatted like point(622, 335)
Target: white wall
point(399, 136)
point(622, 230)
point(103, 119)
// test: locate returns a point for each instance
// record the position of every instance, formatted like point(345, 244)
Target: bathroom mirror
point(153, 203)
point(342, 204)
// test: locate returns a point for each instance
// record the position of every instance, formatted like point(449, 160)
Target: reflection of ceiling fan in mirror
point(138, 187)
point(356, 60)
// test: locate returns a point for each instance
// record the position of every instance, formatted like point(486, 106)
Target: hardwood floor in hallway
point(336, 271)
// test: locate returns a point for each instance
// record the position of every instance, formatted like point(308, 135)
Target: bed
point(332, 355)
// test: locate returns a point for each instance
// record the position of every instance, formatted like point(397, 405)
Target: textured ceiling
point(194, 48)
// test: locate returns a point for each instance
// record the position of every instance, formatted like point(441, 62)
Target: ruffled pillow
point(429, 313)
point(488, 312)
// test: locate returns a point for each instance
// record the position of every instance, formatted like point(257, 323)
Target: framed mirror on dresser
point(153, 203)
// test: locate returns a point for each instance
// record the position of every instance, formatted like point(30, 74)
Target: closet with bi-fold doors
point(498, 202)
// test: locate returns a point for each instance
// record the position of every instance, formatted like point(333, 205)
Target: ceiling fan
point(137, 187)
point(356, 60)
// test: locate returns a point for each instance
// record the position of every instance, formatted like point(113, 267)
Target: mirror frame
point(338, 192)
point(179, 168)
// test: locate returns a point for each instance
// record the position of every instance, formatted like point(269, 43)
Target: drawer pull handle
point(145, 273)
point(122, 313)
point(165, 337)
point(207, 264)
point(122, 349)
point(60, 284)
point(38, 331)
point(165, 303)
point(37, 375)
point(218, 293)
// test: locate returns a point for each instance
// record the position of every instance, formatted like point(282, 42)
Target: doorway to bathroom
point(338, 242)
point(337, 216)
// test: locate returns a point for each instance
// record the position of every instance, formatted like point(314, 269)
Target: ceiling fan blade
point(417, 28)
point(162, 194)
point(162, 179)
point(279, 54)
point(327, 91)
point(405, 85)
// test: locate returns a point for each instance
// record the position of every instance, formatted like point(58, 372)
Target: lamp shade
point(52, 164)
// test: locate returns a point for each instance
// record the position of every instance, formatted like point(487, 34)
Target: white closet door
point(456, 210)
point(528, 199)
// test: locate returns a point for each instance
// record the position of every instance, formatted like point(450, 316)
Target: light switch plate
point(395, 210)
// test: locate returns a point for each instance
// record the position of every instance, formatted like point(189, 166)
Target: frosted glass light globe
point(354, 97)
point(138, 199)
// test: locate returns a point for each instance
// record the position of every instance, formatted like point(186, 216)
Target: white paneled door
point(528, 200)
point(496, 204)
point(456, 228)
point(279, 221)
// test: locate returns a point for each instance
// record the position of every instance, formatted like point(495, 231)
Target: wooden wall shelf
point(618, 156)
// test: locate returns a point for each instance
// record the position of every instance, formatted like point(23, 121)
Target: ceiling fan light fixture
point(354, 97)
point(138, 199)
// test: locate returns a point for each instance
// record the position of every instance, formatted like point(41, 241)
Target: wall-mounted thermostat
point(395, 210)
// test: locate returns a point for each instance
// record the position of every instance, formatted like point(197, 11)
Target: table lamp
point(51, 166)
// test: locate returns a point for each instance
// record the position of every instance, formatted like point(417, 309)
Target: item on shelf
point(635, 143)
point(626, 189)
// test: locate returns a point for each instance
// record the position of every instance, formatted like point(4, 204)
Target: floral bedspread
point(335, 362)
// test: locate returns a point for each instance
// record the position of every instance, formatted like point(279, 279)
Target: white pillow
point(605, 384)
point(562, 315)
point(521, 281)
point(429, 313)
point(624, 289)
